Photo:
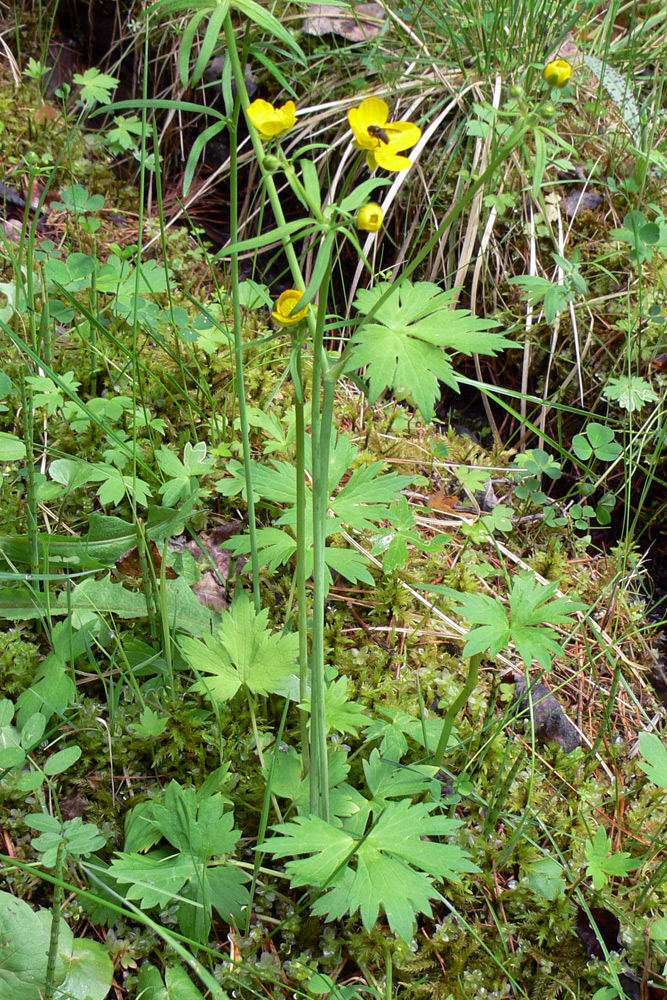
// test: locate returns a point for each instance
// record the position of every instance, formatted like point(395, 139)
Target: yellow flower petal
point(381, 138)
point(388, 160)
point(402, 135)
point(283, 311)
point(372, 111)
point(271, 121)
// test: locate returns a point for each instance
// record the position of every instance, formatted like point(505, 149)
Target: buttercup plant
point(402, 333)
point(363, 850)
point(414, 336)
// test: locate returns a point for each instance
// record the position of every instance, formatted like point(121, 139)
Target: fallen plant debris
point(358, 23)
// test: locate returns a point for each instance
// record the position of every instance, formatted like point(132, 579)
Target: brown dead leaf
point(448, 505)
point(46, 113)
point(211, 588)
point(357, 24)
point(580, 200)
point(210, 592)
point(12, 229)
point(211, 541)
point(130, 563)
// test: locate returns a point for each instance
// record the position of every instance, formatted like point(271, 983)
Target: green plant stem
point(56, 909)
point(319, 788)
point(260, 752)
point(264, 817)
point(236, 313)
point(455, 708)
point(388, 972)
point(302, 600)
point(322, 423)
point(31, 486)
point(269, 182)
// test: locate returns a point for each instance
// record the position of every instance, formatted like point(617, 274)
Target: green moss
point(19, 659)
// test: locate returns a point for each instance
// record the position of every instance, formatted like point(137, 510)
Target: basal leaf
point(156, 878)
point(529, 623)
point(654, 752)
point(209, 656)
point(203, 829)
point(244, 651)
point(342, 715)
point(389, 868)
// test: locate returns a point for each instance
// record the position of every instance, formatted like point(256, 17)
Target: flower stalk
point(318, 755)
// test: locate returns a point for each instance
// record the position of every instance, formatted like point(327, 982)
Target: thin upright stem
point(322, 421)
point(56, 909)
point(302, 599)
point(238, 328)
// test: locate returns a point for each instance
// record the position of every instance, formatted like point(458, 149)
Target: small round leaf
point(61, 760)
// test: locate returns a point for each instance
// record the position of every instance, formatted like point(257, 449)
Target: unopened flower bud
point(557, 72)
point(370, 217)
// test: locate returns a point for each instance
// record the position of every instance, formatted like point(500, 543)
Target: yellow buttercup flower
point(283, 311)
point(557, 72)
point(382, 139)
point(271, 121)
point(369, 217)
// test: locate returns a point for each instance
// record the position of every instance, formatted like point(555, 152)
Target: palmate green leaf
point(404, 347)
point(365, 498)
point(654, 752)
point(362, 502)
point(213, 886)
point(391, 868)
point(244, 651)
point(156, 878)
point(630, 392)
point(198, 826)
point(387, 779)
point(276, 547)
point(95, 86)
point(528, 623)
point(395, 360)
point(342, 715)
point(350, 564)
point(201, 828)
point(602, 865)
